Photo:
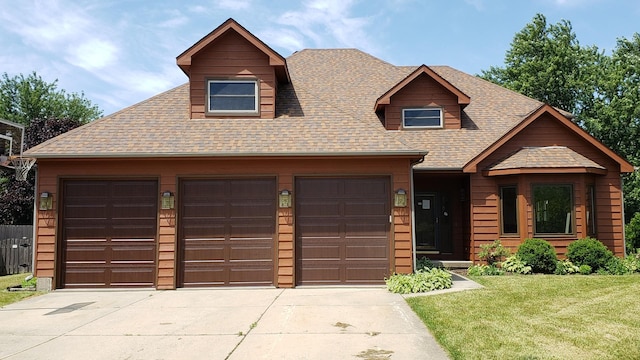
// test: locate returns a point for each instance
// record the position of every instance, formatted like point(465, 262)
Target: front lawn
point(8, 297)
point(538, 317)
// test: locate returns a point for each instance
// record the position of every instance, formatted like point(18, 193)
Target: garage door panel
point(342, 230)
point(86, 277)
point(365, 252)
point(241, 215)
point(109, 233)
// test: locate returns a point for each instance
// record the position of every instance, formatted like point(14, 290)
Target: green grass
point(9, 297)
point(538, 317)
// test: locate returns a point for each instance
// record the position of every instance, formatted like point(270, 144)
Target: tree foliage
point(547, 62)
point(46, 112)
point(16, 197)
point(24, 98)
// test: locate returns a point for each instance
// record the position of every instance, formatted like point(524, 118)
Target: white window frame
point(256, 105)
point(440, 126)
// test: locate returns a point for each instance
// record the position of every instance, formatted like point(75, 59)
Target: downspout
point(413, 215)
point(35, 223)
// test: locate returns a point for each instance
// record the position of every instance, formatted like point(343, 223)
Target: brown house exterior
point(327, 167)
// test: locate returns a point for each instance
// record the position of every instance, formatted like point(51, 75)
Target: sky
point(120, 52)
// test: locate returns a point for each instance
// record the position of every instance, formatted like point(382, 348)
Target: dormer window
point(232, 97)
point(422, 118)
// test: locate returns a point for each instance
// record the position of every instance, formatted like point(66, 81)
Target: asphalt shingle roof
point(544, 157)
point(327, 109)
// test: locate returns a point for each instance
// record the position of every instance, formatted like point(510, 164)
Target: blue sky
point(120, 52)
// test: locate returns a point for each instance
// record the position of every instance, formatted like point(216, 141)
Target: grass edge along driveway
point(538, 317)
point(9, 297)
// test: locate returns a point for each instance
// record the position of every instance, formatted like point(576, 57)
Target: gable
point(546, 127)
point(423, 88)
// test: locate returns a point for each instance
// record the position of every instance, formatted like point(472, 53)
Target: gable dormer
point(232, 73)
point(422, 100)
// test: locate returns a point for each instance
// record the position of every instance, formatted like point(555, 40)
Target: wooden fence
point(16, 249)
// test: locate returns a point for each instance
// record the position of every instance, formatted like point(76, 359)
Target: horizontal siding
point(548, 132)
point(423, 92)
point(168, 171)
point(231, 56)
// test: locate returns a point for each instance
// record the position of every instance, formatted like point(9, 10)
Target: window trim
point(572, 206)
point(590, 204)
point(517, 208)
point(440, 126)
point(255, 111)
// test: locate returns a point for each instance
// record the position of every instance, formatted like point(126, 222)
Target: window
point(591, 210)
point(233, 96)
point(422, 118)
point(509, 210)
point(553, 209)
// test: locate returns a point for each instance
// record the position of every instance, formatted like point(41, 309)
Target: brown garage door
point(109, 233)
point(227, 231)
point(342, 230)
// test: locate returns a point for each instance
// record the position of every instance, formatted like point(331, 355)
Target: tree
point(16, 197)
point(23, 99)
point(547, 62)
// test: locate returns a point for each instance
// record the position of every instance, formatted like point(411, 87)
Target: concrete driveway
point(302, 323)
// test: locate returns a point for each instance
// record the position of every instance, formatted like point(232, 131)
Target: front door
point(433, 225)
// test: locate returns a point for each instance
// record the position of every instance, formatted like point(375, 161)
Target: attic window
point(422, 118)
point(232, 96)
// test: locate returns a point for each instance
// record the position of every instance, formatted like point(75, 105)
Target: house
point(327, 167)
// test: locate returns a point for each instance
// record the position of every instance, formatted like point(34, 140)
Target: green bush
point(420, 281)
point(632, 262)
point(615, 266)
point(564, 267)
point(515, 265)
point(484, 270)
point(632, 234)
point(424, 263)
point(585, 269)
point(493, 253)
point(589, 251)
point(538, 254)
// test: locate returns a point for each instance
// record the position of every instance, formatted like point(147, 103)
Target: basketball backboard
point(11, 148)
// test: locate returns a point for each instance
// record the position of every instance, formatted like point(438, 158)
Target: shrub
point(493, 253)
point(632, 234)
point(420, 281)
point(632, 262)
point(538, 254)
point(424, 263)
point(585, 269)
point(484, 270)
point(615, 266)
point(589, 251)
point(564, 267)
point(515, 265)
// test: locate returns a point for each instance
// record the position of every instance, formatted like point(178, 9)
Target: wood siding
point(423, 92)
point(168, 171)
point(232, 56)
point(548, 132)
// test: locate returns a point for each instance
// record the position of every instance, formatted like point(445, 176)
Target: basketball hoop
point(22, 165)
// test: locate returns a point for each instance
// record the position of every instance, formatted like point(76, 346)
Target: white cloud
point(478, 4)
point(319, 18)
point(93, 54)
point(286, 39)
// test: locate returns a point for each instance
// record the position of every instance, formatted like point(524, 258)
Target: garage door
point(342, 230)
point(227, 231)
point(109, 233)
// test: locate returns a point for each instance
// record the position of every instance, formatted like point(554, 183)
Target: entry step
point(452, 264)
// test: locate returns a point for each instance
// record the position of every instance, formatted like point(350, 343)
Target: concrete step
point(452, 264)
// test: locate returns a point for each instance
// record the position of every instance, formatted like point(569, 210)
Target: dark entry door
point(433, 225)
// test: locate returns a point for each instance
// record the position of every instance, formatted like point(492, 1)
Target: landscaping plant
point(420, 281)
point(484, 270)
point(538, 254)
point(493, 253)
point(565, 267)
point(589, 251)
point(514, 264)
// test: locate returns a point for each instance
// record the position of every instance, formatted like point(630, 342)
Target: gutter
point(201, 155)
